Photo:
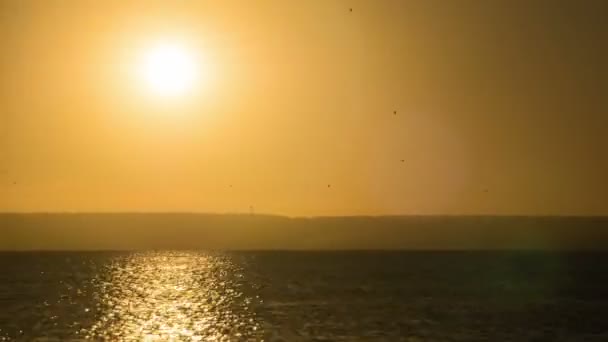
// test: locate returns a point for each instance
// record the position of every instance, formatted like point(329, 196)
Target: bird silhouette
point(350, 9)
point(394, 112)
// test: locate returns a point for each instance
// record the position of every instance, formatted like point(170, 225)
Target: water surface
point(364, 296)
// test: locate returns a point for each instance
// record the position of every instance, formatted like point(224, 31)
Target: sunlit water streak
point(173, 296)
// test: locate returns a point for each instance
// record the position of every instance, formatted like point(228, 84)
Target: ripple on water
point(164, 296)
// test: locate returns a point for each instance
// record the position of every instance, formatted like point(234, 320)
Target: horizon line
point(260, 214)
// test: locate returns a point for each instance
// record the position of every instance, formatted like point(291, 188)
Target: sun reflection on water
point(174, 296)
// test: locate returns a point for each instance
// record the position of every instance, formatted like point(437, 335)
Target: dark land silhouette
point(117, 231)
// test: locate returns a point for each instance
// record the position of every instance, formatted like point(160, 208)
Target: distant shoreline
point(196, 213)
point(196, 231)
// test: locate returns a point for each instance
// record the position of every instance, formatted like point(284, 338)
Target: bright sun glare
point(169, 69)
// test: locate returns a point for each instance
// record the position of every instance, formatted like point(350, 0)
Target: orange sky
point(501, 108)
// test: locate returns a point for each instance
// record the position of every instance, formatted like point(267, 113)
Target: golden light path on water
point(174, 296)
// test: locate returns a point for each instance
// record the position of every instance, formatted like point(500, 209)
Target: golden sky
point(501, 107)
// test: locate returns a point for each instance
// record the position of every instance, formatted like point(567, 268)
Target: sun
point(169, 69)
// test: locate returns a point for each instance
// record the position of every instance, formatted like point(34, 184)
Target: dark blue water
point(293, 296)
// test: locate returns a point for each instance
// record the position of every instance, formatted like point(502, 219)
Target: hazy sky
point(502, 107)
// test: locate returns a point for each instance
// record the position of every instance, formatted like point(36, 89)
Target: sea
point(304, 296)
